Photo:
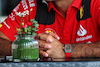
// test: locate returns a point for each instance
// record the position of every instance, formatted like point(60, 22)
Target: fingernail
point(46, 55)
point(49, 46)
point(58, 38)
point(50, 40)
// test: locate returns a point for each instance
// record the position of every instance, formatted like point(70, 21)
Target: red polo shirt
point(69, 29)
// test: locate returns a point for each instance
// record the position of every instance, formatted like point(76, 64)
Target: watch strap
point(68, 49)
point(68, 54)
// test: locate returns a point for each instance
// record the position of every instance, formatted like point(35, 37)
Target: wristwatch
point(68, 48)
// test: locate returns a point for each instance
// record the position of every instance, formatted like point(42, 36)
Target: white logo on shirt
point(81, 31)
point(31, 3)
point(12, 16)
point(89, 42)
point(24, 4)
point(6, 25)
point(84, 38)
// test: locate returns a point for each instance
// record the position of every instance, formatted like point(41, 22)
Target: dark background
point(7, 6)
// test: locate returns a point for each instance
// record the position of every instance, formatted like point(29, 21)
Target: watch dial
point(68, 48)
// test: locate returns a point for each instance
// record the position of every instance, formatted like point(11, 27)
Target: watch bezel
point(66, 50)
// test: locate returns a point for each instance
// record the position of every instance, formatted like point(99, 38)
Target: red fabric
point(68, 55)
point(68, 29)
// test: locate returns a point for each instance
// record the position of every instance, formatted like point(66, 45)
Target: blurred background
point(6, 7)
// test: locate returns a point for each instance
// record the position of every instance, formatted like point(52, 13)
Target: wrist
point(68, 48)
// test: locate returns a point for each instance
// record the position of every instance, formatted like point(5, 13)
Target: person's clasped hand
point(49, 45)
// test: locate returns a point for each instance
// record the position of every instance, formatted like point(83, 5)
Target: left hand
point(52, 46)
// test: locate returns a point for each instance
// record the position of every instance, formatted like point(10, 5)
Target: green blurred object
point(25, 49)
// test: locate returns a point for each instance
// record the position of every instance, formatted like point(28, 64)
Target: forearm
point(86, 50)
point(5, 47)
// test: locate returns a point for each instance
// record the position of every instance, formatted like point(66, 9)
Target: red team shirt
point(69, 29)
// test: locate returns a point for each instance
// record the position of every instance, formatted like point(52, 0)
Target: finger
point(43, 53)
point(38, 36)
point(43, 44)
point(44, 49)
point(52, 34)
point(44, 37)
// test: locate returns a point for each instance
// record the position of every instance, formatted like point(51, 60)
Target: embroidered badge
point(50, 30)
point(81, 11)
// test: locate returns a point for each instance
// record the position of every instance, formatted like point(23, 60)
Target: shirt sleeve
point(9, 25)
point(98, 12)
point(95, 11)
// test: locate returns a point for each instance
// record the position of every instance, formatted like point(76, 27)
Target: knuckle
point(41, 45)
point(48, 36)
point(45, 45)
point(41, 52)
point(52, 34)
point(43, 37)
point(48, 52)
point(38, 36)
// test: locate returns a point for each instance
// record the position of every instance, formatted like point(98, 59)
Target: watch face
point(68, 48)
